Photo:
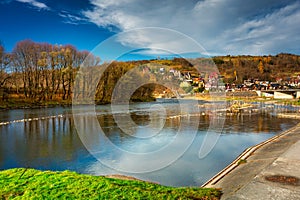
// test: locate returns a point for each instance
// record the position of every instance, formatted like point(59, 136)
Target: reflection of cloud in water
point(124, 161)
point(146, 155)
point(188, 170)
point(143, 152)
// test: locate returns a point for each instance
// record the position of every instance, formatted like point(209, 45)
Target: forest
point(39, 71)
point(42, 73)
point(281, 67)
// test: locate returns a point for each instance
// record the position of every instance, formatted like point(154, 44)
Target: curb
point(243, 156)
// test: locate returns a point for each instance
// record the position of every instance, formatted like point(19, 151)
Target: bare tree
point(4, 75)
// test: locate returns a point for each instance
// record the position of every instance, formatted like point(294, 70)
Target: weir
point(280, 94)
point(29, 119)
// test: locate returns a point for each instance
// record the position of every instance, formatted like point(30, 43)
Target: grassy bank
point(17, 103)
point(27, 103)
point(23, 183)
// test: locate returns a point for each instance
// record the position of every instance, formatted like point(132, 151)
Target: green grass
point(23, 183)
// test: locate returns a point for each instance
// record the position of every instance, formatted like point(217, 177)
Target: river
point(48, 139)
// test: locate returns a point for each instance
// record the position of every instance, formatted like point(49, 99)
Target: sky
point(220, 27)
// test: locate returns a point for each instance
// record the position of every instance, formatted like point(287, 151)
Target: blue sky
point(221, 27)
point(52, 23)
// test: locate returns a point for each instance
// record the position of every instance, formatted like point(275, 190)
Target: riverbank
point(30, 183)
point(25, 104)
point(16, 103)
point(270, 170)
point(247, 96)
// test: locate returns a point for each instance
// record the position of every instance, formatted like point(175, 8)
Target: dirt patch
point(122, 177)
point(130, 178)
point(285, 180)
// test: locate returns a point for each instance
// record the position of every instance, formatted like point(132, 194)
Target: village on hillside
point(192, 82)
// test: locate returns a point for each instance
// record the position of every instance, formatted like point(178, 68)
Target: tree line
point(40, 71)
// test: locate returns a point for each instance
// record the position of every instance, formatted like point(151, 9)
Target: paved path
point(271, 172)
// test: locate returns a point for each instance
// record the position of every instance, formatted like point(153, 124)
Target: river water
point(49, 139)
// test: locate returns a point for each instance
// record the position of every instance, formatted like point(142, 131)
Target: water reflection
point(42, 144)
point(53, 143)
point(141, 145)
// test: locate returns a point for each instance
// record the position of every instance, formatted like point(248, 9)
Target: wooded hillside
point(271, 68)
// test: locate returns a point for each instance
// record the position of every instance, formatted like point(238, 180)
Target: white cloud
point(71, 19)
point(278, 31)
point(35, 4)
point(221, 26)
point(159, 41)
point(105, 14)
